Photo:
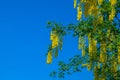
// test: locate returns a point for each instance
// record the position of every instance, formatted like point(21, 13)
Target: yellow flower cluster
point(86, 7)
point(108, 33)
point(95, 11)
point(75, 3)
point(118, 52)
point(81, 44)
point(112, 14)
point(113, 2)
point(98, 65)
point(102, 57)
point(115, 66)
point(90, 8)
point(118, 58)
point(94, 42)
point(100, 2)
point(103, 52)
point(83, 1)
point(83, 51)
point(90, 44)
point(100, 18)
point(54, 37)
point(79, 12)
point(96, 77)
point(49, 57)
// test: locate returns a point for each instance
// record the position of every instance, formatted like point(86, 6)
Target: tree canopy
point(98, 32)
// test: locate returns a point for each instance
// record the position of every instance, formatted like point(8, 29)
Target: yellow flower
point(94, 42)
point(118, 52)
point(119, 58)
point(90, 44)
point(95, 11)
point(100, 18)
point(108, 33)
point(98, 65)
point(86, 7)
point(75, 3)
point(83, 52)
point(49, 57)
point(113, 2)
point(115, 66)
point(55, 42)
point(81, 44)
point(100, 2)
point(103, 47)
point(90, 10)
point(118, 48)
point(79, 13)
point(112, 14)
point(54, 37)
point(83, 1)
point(103, 55)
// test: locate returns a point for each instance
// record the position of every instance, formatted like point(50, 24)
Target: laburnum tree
point(98, 32)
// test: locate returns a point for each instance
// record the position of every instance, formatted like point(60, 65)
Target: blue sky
point(24, 38)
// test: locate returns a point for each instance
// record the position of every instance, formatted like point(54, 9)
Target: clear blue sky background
point(24, 38)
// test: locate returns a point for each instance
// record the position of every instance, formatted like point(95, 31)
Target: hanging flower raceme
point(95, 11)
point(118, 58)
point(54, 37)
point(94, 43)
point(112, 14)
point(96, 73)
point(86, 7)
point(98, 65)
point(79, 12)
point(49, 57)
point(115, 66)
point(75, 3)
point(100, 19)
point(83, 1)
point(113, 2)
point(100, 2)
point(90, 10)
point(90, 44)
point(81, 44)
point(118, 48)
point(83, 51)
point(103, 52)
point(108, 33)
